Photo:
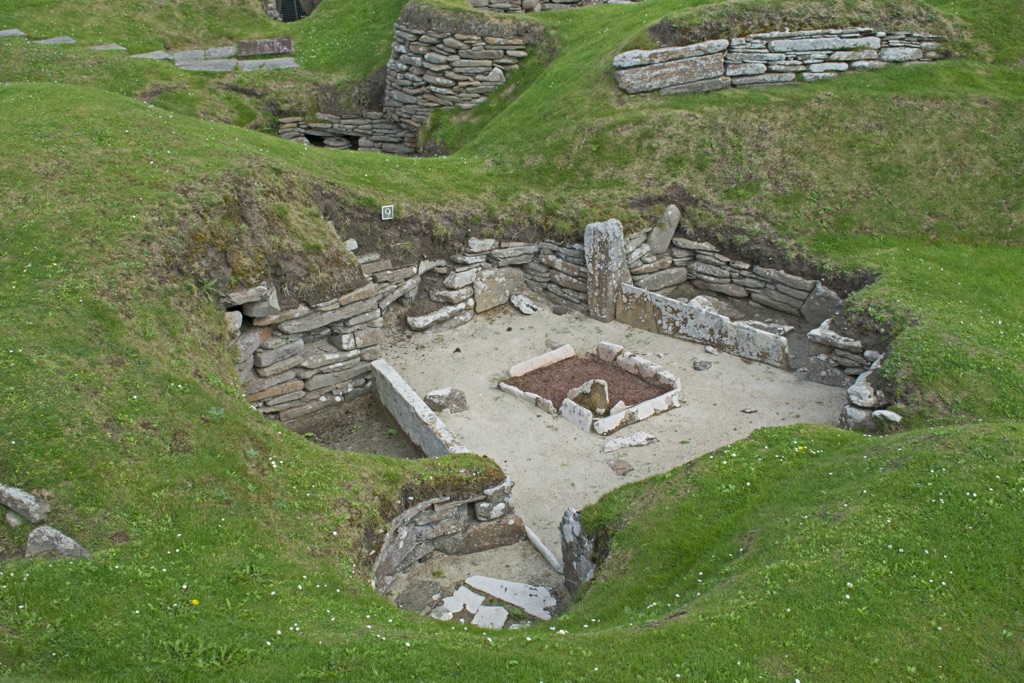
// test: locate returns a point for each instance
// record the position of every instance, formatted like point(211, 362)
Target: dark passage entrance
point(291, 10)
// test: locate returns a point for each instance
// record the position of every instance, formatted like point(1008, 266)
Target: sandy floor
point(554, 464)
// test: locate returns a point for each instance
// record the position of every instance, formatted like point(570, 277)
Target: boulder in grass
point(47, 541)
point(24, 503)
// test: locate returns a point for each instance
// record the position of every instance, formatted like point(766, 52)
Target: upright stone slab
point(660, 238)
point(577, 552)
point(607, 267)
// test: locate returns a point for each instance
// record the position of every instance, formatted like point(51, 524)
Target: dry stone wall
point(367, 132)
point(436, 61)
point(298, 360)
point(432, 68)
point(453, 527)
point(772, 58)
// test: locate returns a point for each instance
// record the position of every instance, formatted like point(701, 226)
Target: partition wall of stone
point(298, 361)
point(437, 60)
point(769, 59)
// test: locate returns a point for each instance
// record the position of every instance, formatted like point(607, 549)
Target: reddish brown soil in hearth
point(554, 381)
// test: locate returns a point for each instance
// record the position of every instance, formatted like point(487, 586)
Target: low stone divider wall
point(655, 313)
point(419, 423)
point(455, 527)
point(772, 58)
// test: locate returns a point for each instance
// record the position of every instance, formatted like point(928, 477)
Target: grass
point(126, 182)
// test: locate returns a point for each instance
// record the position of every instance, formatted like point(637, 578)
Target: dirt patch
point(361, 426)
point(554, 381)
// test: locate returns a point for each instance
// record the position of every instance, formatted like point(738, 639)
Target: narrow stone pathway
point(248, 55)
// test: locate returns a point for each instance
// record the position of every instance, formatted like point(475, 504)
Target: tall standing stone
point(607, 267)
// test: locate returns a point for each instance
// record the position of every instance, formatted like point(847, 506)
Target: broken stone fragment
point(524, 305)
point(619, 467)
point(629, 441)
point(534, 600)
point(887, 416)
point(592, 395)
point(447, 400)
point(46, 540)
point(490, 617)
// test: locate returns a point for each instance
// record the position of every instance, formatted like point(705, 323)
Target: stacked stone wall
point(366, 132)
point(454, 527)
point(764, 59)
point(299, 360)
point(437, 61)
point(431, 68)
point(296, 361)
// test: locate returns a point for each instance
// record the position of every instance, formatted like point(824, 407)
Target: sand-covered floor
point(556, 465)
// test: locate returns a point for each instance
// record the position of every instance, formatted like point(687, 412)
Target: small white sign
point(387, 213)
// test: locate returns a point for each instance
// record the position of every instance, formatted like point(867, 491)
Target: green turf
point(116, 393)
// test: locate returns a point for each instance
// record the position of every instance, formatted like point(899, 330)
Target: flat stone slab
point(463, 599)
point(156, 54)
point(209, 65)
point(490, 617)
point(265, 46)
point(416, 419)
point(12, 33)
point(633, 58)
point(542, 361)
point(268, 64)
point(666, 74)
point(633, 440)
point(619, 467)
point(59, 40)
point(534, 600)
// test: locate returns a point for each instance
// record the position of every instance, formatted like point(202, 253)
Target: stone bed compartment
point(620, 416)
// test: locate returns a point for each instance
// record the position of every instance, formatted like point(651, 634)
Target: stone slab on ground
point(463, 600)
point(629, 441)
point(619, 467)
point(542, 361)
point(208, 65)
point(490, 617)
point(534, 600)
point(447, 400)
point(265, 46)
point(155, 54)
point(268, 64)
